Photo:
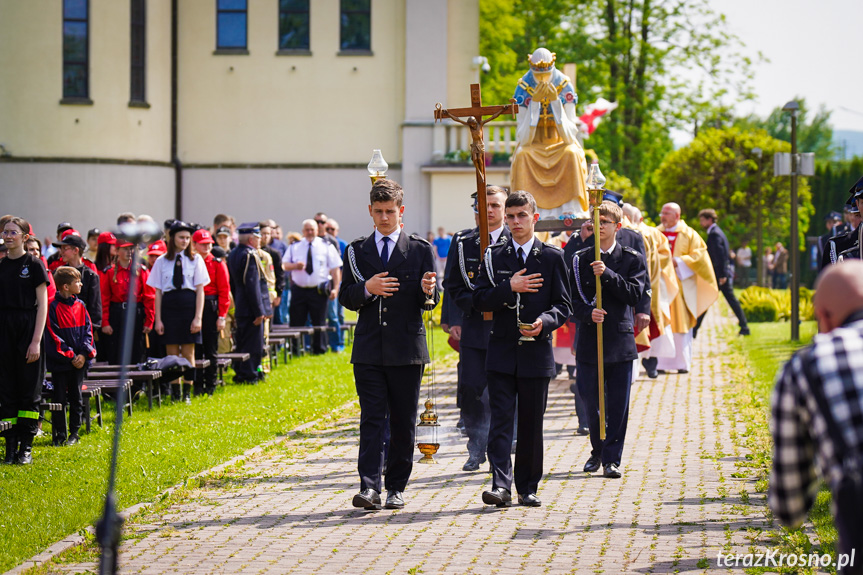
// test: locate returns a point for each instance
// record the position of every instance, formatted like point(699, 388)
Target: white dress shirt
point(526, 246)
point(495, 235)
point(324, 258)
point(194, 273)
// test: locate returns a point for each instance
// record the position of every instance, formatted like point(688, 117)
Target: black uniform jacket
point(450, 313)
point(836, 246)
point(625, 237)
point(389, 329)
point(464, 263)
point(245, 282)
point(718, 249)
point(622, 285)
point(506, 354)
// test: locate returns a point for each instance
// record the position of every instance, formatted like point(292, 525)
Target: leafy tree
point(814, 133)
point(718, 170)
point(666, 62)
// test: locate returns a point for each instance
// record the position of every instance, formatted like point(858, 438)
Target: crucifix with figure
point(475, 124)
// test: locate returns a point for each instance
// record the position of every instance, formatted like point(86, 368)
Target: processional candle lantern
point(427, 428)
point(596, 187)
point(377, 166)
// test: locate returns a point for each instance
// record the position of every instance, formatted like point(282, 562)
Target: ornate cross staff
point(595, 185)
point(475, 123)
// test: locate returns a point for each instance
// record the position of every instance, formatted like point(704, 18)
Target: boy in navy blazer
point(623, 274)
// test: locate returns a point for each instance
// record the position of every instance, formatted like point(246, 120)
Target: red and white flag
point(593, 114)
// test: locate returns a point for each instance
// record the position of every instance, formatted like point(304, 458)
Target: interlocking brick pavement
point(287, 509)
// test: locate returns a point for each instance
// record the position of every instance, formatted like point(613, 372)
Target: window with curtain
point(231, 24)
point(138, 52)
point(294, 25)
point(356, 25)
point(76, 49)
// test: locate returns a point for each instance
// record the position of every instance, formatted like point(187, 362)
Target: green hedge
point(763, 304)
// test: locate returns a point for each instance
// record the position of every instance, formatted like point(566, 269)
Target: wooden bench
point(228, 359)
point(351, 325)
point(89, 393)
point(5, 426)
point(296, 335)
point(146, 377)
point(113, 385)
point(277, 342)
point(56, 409)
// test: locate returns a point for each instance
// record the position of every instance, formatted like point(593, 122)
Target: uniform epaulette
point(359, 240)
point(585, 250)
point(419, 238)
point(631, 250)
point(554, 247)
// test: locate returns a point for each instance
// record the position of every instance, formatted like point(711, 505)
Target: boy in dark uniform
point(523, 281)
point(249, 310)
point(472, 331)
point(623, 274)
point(391, 276)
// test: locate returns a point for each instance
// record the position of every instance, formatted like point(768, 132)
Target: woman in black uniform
point(23, 311)
point(179, 278)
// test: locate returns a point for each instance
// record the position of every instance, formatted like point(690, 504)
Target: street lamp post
point(794, 248)
point(759, 254)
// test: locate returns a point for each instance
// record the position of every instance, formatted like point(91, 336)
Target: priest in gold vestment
point(549, 160)
point(696, 282)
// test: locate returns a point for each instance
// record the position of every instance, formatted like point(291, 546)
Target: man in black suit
point(391, 276)
point(523, 281)
point(249, 306)
point(718, 250)
point(832, 221)
point(623, 274)
point(472, 331)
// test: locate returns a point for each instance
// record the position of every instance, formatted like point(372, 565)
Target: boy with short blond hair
point(70, 348)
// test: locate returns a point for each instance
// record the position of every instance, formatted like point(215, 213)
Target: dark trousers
point(248, 338)
point(529, 395)
point(727, 290)
point(205, 379)
point(848, 499)
point(20, 382)
point(67, 391)
point(383, 390)
point(118, 325)
point(309, 304)
point(474, 400)
point(618, 377)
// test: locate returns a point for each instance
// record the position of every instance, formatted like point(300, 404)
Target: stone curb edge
point(75, 539)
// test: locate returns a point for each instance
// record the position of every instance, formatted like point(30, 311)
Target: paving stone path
point(287, 509)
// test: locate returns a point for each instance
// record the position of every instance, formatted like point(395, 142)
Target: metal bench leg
point(149, 387)
point(87, 416)
point(99, 409)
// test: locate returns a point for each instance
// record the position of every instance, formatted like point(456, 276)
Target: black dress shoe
point(682, 371)
point(395, 500)
point(473, 463)
point(529, 500)
point(367, 499)
point(653, 374)
point(498, 496)
point(73, 439)
point(744, 331)
point(582, 430)
point(592, 464)
point(611, 471)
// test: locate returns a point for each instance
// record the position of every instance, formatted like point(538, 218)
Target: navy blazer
point(622, 286)
point(718, 250)
point(450, 314)
point(463, 265)
point(245, 282)
point(390, 329)
point(506, 354)
point(625, 237)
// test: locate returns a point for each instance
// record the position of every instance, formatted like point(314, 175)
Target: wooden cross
point(475, 123)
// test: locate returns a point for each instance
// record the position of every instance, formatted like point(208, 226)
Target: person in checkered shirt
point(818, 414)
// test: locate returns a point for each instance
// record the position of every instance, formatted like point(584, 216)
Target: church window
point(356, 25)
point(294, 25)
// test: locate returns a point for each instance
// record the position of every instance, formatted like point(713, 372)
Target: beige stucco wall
point(450, 195)
point(32, 120)
point(462, 47)
point(264, 108)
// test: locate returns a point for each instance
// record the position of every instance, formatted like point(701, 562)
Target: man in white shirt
point(315, 267)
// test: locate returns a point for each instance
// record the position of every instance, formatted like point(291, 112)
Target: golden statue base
point(428, 450)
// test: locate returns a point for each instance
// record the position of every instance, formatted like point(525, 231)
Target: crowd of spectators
point(64, 303)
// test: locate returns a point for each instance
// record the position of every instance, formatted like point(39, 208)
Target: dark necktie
point(385, 252)
point(178, 272)
point(310, 263)
point(521, 257)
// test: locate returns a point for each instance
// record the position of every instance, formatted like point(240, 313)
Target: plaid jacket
point(831, 366)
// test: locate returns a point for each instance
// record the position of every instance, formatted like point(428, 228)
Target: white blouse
point(194, 273)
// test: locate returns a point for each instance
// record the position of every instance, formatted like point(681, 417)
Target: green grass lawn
point(62, 492)
point(763, 354)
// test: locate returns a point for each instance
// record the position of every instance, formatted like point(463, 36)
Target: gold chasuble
point(663, 280)
point(698, 290)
